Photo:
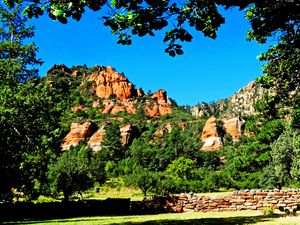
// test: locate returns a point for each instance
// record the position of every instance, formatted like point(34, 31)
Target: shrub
point(268, 211)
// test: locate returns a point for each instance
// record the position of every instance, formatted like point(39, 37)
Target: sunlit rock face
point(128, 132)
point(158, 105)
point(233, 127)
point(96, 140)
point(77, 133)
point(83, 131)
point(210, 136)
point(109, 83)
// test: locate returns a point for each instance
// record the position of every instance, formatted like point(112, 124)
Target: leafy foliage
point(17, 58)
point(72, 172)
point(285, 154)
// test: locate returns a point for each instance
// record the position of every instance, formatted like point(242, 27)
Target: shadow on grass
point(238, 220)
point(206, 221)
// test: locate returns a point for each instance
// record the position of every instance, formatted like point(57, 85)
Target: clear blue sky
point(208, 71)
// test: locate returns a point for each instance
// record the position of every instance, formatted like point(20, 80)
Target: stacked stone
point(242, 200)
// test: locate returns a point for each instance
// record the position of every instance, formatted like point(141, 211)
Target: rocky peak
point(108, 83)
point(160, 96)
point(60, 67)
point(159, 105)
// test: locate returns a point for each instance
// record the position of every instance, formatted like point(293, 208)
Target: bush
point(268, 211)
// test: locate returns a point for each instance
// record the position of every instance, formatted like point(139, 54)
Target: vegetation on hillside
point(36, 113)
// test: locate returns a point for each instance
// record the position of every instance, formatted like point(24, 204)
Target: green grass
point(211, 218)
point(118, 192)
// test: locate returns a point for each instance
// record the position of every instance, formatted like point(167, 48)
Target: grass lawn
point(211, 218)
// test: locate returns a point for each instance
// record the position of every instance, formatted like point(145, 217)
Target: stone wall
point(240, 200)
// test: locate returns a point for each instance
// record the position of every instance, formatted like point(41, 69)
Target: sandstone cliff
point(114, 92)
point(210, 135)
point(108, 83)
point(83, 131)
point(78, 132)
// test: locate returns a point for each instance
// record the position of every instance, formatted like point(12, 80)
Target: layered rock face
point(110, 83)
point(210, 135)
point(82, 131)
point(97, 139)
point(159, 105)
point(78, 132)
point(242, 102)
point(233, 127)
point(115, 92)
point(116, 106)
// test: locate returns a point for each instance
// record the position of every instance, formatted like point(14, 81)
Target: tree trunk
point(66, 196)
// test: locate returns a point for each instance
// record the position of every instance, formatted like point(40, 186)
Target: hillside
point(239, 104)
point(121, 136)
point(96, 128)
point(106, 96)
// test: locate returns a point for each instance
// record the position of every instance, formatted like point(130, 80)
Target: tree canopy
point(144, 17)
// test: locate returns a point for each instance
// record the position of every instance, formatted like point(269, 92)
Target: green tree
point(144, 179)
point(285, 154)
point(180, 167)
point(17, 59)
point(72, 172)
point(28, 116)
point(112, 142)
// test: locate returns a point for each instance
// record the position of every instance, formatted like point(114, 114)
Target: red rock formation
point(159, 105)
point(210, 135)
point(160, 96)
point(97, 139)
point(233, 127)
point(152, 109)
point(165, 109)
point(78, 132)
point(140, 92)
point(161, 131)
point(116, 106)
point(128, 131)
point(109, 83)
